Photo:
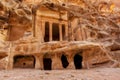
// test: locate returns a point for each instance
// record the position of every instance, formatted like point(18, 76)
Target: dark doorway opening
point(55, 32)
point(21, 61)
point(78, 61)
point(64, 60)
point(47, 62)
point(46, 38)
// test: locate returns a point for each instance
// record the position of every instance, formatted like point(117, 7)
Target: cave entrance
point(78, 61)
point(55, 32)
point(47, 62)
point(64, 60)
point(46, 38)
point(21, 61)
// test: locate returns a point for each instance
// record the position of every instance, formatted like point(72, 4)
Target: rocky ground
point(32, 74)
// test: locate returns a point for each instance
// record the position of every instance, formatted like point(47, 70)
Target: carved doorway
point(47, 63)
point(78, 61)
point(65, 62)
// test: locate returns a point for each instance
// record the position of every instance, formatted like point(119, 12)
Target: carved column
point(38, 27)
point(70, 60)
point(37, 62)
point(88, 33)
point(80, 37)
point(9, 65)
point(43, 30)
point(81, 34)
point(85, 34)
point(66, 32)
point(41, 62)
point(50, 32)
point(56, 63)
point(10, 60)
point(60, 32)
point(87, 56)
point(72, 34)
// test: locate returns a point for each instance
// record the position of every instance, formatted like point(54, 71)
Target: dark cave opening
point(47, 62)
point(64, 60)
point(78, 61)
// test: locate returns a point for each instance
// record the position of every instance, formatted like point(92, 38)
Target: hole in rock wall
point(47, 63)
point(24, 61)
point(78, 61)
point(64, 60)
